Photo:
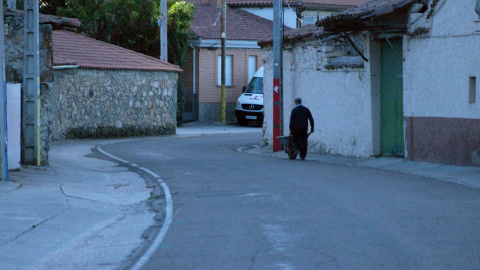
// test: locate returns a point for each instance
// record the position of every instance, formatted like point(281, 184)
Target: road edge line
point(168, 216)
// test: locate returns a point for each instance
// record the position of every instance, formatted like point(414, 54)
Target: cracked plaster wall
point(438, 66)
point(340, 101)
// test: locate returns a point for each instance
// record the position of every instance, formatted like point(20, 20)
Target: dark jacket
point(300, 117)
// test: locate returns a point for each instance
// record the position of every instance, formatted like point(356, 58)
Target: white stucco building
point(406, 85)
point(442, 85)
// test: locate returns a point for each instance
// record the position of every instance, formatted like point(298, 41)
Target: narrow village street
point(148, 134)
point(233, 209)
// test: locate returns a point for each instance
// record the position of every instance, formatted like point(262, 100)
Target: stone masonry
point(88, 103)
point(93, 103)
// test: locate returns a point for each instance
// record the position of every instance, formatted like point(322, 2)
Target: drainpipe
point(194, 98)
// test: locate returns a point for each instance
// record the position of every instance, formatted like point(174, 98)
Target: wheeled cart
point(286, 141)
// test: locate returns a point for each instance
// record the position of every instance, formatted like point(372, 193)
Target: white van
point(250, 104)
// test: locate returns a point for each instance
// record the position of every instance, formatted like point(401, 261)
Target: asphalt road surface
point(234, 210)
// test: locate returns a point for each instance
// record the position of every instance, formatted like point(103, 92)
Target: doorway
point(391, 92)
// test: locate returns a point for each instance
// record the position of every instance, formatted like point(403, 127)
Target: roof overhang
point(324, 7)
point(376, 14)
point(259, 4)
point(216, 43)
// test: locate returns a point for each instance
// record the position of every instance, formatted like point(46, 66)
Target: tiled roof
point(241, 25)
point(379, 7)
point(74, 49)
point(55, 21)
point(363, 16)
point(326, 3)
point(335, 3)
point(244, 2)
point(301, 33)
point(359, 18)
point(257, 2)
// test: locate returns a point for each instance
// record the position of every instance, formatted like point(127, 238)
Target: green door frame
point(391, 89)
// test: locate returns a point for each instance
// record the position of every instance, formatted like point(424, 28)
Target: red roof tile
point(349, 20)
point(336, 3)
point(70, 48)
point(241, 25)
point(326, 3)
point(256, 2)
point(55, 21)
point(379, 7)
point(363, 17)
point(292, 35)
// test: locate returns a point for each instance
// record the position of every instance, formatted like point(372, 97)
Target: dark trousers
point(300, 141)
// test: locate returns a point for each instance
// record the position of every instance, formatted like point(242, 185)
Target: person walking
point(299, 127)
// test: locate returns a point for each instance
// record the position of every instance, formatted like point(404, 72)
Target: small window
point(339, 54)
point(472, 93)
point(228, 70)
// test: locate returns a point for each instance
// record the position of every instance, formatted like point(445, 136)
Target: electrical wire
point(214, 24)
point(294, 12)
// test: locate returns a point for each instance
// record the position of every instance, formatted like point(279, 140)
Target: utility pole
point(277, 73)
point(12, 4)
point(162, 23)
point(3, 111)
point(31, 86)
point(223, 79)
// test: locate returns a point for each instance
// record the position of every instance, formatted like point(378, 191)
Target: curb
point(160, 198)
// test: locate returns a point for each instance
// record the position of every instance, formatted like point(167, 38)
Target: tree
point(51, 6)
point(179, 17)
point(131, 24)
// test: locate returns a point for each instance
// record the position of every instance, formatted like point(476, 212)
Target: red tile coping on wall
point(73, 49)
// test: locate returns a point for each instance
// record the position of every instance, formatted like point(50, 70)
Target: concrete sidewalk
point(79, 213)
point(469, 176)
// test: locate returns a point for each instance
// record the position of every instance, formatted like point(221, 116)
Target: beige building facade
point(207, 86)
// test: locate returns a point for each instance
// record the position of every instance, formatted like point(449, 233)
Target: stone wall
point(92, 103)
point(13, 31)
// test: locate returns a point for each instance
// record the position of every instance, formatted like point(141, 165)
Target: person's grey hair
point(298, 101)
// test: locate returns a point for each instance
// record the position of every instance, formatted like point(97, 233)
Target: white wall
point(437, 68)
point(340, 102)
point(290, 19)
point(13, 125)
